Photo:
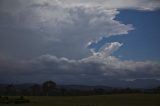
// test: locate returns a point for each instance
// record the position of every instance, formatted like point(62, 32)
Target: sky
point(146, 35)
point(79, 41)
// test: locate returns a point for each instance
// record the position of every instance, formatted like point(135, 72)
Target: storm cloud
point(49, 39)
point(95, 69)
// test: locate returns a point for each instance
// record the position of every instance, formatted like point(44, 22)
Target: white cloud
point(105, 52)
point(109, 4)
point(50, 24)
point(56, 24)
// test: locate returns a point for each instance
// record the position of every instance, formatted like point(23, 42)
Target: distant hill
point(85, 87)
point(110, 84)
point(138, 83)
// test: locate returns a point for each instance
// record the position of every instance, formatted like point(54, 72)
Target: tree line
point(50, 88)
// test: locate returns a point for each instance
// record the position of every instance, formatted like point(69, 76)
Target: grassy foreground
point(107, 100)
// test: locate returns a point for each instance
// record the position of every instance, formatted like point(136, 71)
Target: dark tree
point(48, 87)
point(10, 90)
point(36, 89)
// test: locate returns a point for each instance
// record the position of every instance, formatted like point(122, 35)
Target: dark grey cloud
point(30, 29)
point(95, 69)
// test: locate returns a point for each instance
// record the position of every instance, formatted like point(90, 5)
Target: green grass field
point(107, 100)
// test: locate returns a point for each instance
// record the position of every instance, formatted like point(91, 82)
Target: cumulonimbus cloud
point(63, 29)
point(48, 25)
point(53, 24)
